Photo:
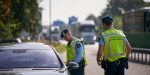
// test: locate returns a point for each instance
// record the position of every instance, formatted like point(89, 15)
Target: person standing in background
point(114, 49)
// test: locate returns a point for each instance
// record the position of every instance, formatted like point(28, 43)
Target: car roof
point(27, 46)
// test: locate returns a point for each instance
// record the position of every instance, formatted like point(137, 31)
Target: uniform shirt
point(79, 49)
point(101, 40)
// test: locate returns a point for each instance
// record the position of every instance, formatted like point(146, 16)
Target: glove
point(72, 65)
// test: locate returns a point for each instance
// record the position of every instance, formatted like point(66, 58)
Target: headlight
point(81, 38)
point(94, 38)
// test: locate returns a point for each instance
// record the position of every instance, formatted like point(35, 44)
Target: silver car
point(30, 59)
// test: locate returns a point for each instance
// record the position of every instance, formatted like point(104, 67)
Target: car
point(31, 58)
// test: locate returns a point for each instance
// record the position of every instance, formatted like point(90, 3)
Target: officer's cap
point(63, 33)
point(107, 19)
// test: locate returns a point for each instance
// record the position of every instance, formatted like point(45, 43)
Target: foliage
point(95, 19)
point(18, 15)
point(118, 22)
point(117, 7)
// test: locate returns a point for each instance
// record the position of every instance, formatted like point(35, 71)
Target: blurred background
point(43, 21)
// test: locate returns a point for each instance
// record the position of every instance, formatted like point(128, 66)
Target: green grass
point(59, 47)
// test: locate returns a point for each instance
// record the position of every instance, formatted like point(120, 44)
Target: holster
point(122, 61)
point(126, 63)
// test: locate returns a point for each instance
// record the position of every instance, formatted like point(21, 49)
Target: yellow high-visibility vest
point(114, 44)
point(71, 52)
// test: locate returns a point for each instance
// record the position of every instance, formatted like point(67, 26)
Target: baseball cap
point(63, 33)
point(107, 19)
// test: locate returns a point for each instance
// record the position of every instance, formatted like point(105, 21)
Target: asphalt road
point(93, 69)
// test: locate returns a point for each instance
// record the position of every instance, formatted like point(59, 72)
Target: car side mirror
point(72, 66)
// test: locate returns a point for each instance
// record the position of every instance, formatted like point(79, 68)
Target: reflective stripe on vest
point(71, 52)
point(114, 46)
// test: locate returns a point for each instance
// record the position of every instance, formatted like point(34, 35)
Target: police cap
point(107, 19)
point(63, 33)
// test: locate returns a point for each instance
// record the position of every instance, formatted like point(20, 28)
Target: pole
point(50, 22)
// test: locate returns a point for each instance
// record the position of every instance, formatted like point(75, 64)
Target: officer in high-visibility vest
point(113, 49)
point(75, 52)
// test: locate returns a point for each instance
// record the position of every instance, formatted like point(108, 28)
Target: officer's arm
point(99, 53)
point(79, 51)
point(128, 48)
point(100, 49)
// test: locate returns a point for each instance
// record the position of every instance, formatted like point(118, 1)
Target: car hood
point(35, 72)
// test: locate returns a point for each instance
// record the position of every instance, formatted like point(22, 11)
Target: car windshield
point(28, 59)
point(87, 28)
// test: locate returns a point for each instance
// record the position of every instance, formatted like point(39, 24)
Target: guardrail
point(140, 55)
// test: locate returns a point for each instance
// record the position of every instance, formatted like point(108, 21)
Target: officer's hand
point(99, 62)
point(66, 63)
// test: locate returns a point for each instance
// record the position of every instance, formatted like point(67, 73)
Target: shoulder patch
point(78, 45)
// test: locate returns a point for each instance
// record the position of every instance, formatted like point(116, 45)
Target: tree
point(113, 7)
point(118, 22)
point(95, 19)
point(18, 15)
point(116, 8)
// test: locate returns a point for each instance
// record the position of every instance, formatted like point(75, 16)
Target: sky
point(63, 9)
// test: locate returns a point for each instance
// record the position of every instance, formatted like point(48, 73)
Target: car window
point(28, 59)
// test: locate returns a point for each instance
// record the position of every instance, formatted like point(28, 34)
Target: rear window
point(28, 59)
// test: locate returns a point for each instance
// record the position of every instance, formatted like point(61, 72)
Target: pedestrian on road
point(75, 52)
point(113, 50)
